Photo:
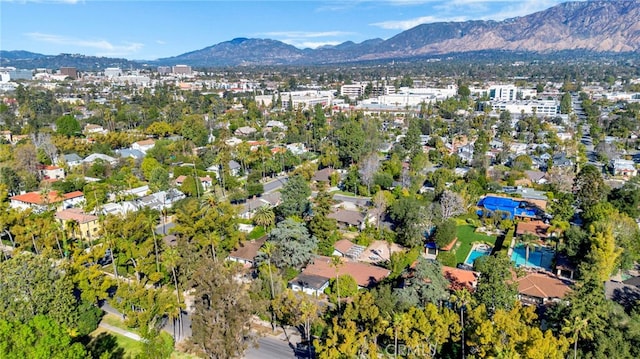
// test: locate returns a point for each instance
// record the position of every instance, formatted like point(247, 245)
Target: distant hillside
point(240, 51)
point(597, 26)
point(30, 60)
point(591, 26)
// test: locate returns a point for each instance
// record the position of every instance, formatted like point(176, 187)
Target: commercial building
point(70, 72)
point(112, 72)
point(164, 70)
point(181, 70)
point(541, 108)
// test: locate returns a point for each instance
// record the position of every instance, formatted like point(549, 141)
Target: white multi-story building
point(306, 99)
point(503, 93)
point(112, 72)
point(541, 108)
point(353, 91)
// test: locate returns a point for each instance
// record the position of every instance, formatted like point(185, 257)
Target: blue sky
point(151, 29)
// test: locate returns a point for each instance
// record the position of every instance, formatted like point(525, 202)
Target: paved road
point(361, 201)
point(271, 348)
point(275, 185)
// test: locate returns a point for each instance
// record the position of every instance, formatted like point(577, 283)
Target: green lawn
point(466, 238)
point(131, 347)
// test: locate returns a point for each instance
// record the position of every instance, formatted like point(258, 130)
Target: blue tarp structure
point(511, 208)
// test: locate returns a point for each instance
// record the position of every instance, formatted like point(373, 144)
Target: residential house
point(323, 175)
point(40, 202)
point(460, 278)
point(625, 168)
point(296, 148)
point(131, 153)
point(536, 228)
point(250, 207)
point(509, 208)
point(234, 169)
point(314, 279)
point(346, 248)
point(99, 156)
point(348, 218)
point(466, 152)
point(542, 288)
point(91, 129)
point(247, 252)
point(144, 145)
point(536, 177)
point(271, 125)
point(626, 293)
point(206, 182)
point(244, 131)
point(88, 226)
point(72, 160)
point(137, 192)
point(561, 160)
point(50, 172)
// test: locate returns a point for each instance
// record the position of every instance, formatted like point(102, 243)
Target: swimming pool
point(541, 257)
point(478, 250)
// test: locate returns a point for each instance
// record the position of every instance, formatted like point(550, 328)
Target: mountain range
point(593, 26)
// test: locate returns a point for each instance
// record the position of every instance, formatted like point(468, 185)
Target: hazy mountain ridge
point(599, 26)
point(594, 26)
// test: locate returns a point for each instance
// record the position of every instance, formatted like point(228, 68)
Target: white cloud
point(443, 11)
point(105, 47)
point(520, 8)
point(310, 44)
point(409, 23)
point(308, 39)
point(161, 42)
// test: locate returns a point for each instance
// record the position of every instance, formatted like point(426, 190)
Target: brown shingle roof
point(248, 250)
point(353, 218)
point(343, 246)
point(364, 274)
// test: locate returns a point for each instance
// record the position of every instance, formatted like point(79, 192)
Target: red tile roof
point(541, 285)
point(38, 198)
point(460, 278)
point(537, 228)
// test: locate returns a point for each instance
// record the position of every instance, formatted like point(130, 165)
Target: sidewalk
point(292, 335)
point(117, 330)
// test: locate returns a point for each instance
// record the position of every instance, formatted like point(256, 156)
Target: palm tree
point(461, 298)
point(31, 229)
point(397, 323)
point(268, 248)
point(109, 238)
point(577, 327)
point(170, 257)
point(72, 227)
point(208, 201)
point(264, 216)
point(151, 222)
point(528, 240)
point(336, 263)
